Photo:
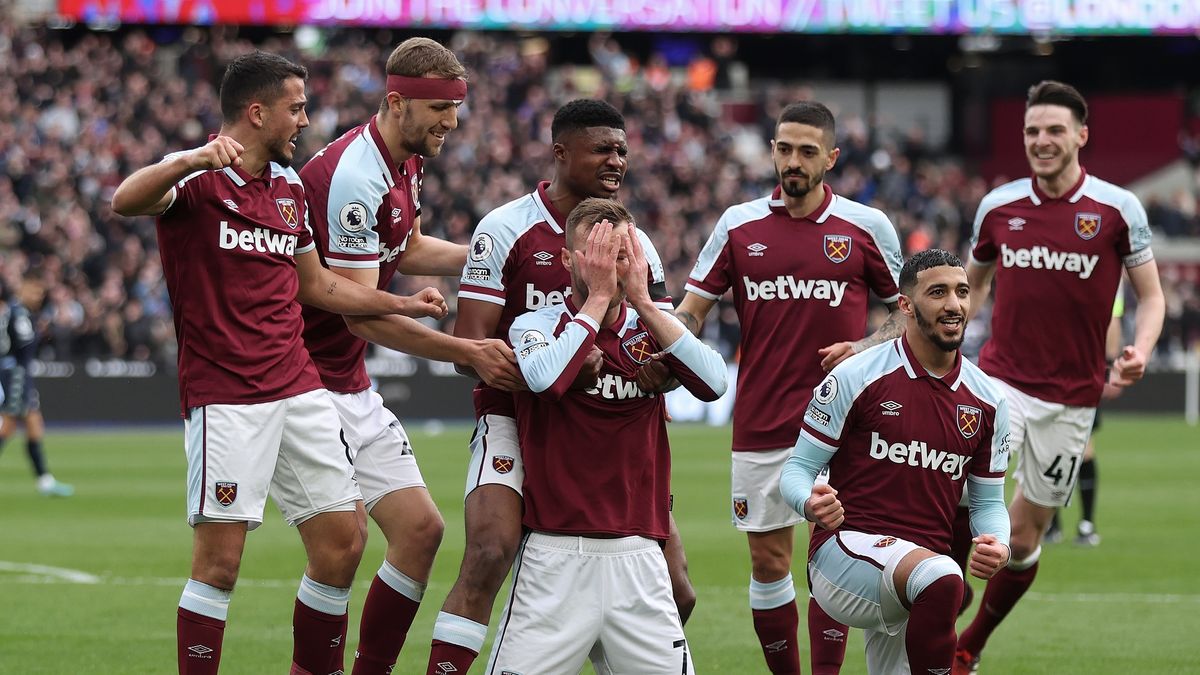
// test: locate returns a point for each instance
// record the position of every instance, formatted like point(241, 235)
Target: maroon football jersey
point(799, 284)
point(906, 441)
point(1059, 264)
point(362, 210)
point(228, 241)
point(516, 261)
point(597, 461)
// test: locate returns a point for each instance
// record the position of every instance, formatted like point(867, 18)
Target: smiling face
point(802, 155)
point(283, 120)
point(1053, 138)
point(595, 160)
point(939, 304)
point(425, 123)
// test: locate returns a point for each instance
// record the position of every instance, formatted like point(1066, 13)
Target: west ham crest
point(1087, 225)
point(837, 247)
point(884, 542)
point(741, 509)
point(968, 420)
point(226, 492)
point(287, 209)
point(502, 463)
point(638, 347)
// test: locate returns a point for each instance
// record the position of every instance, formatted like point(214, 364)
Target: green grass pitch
point(90, 584)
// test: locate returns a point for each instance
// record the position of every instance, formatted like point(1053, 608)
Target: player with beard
point(236, 256)
point(801, 264)
point(364, 194)
point(1056, 245)
point(903, 427)
point(514, 266)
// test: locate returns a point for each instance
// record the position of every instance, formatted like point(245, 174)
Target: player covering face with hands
point(591, 578)
point(912, 415)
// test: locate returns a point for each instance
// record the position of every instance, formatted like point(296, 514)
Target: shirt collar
point(557, 220)
point(391, 170)
point(819, 215)
point(1074, 194)
point(915, 370)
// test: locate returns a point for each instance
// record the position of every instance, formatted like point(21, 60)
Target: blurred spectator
point(80, 109)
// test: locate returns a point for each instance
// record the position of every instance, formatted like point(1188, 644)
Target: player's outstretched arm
point(840, 351)
point(331, 292)
point(430, 256)
point(692, 311)
point(147, 192)
point(493, 360)
point(1148, 321)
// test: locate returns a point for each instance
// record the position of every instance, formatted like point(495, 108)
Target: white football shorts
point(291, 448)
point(851, 577)
point(378, 445)
point(580, 598)
point(1048, 440)
point(757, 505)
point(495, 454)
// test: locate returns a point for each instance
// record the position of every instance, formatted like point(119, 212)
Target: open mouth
point(951, 323)
point(611, 181)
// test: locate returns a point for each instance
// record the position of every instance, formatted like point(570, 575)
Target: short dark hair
point(811, 113)
point(255, 77)
point(583, 113)
point(593, 210)
point(1052, 92)
point(919, 262)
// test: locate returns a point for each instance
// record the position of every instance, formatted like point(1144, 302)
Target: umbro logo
point(833, 634)
point(231, 204)
point(200, 652)
point(396, 215)
point(939, 671)
point(756, 249)
point(891, 408)
point(445, 667)
point(776, 647)
point(544, 258)
point(1016, 224)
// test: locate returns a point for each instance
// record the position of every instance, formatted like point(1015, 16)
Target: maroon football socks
point(199, 642)
point(387, 615)
point(1001, 595)
point(826, 639)
point(446, 658)
point(929, 639)
point(776, 629)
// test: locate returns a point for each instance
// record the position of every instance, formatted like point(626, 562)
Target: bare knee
point(771, 555)
point(418, 537)
point(487, 559)
point(217, 568)
point(334, 554)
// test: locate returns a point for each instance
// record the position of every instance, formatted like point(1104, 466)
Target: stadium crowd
point(80, 110)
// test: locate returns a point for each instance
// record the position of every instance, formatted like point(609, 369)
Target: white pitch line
point(54, 574)
point(29, 573)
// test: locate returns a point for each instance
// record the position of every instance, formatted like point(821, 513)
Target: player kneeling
point(904, 427)
point(590, 580)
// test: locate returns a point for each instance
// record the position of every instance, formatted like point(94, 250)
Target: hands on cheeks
point(988, 557)
point(823, 507)
point(597, 262)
